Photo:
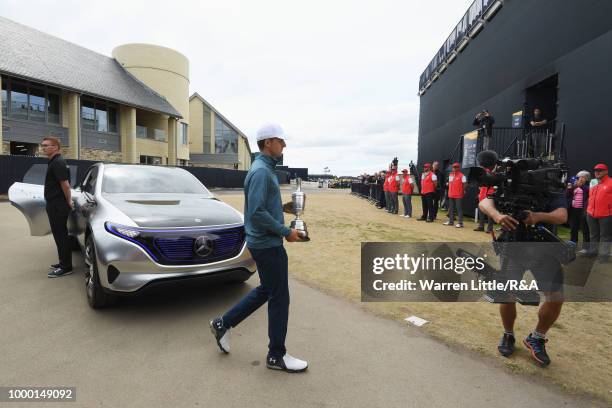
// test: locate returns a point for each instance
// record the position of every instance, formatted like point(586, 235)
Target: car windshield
point(151, 179)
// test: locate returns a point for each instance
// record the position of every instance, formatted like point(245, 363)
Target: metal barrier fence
point(370, 191)
point(545, 142)
point(13, 169)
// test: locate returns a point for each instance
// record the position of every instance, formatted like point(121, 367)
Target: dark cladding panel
point(525, 43)
point(31, 132)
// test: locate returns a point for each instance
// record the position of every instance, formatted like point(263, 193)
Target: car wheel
point(96, 296)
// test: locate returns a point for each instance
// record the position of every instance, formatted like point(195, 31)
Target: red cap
point(427, 165)
point(601, 166)
point(405, 171)
point(456, 164)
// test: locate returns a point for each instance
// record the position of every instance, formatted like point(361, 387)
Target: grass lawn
point(580, 343)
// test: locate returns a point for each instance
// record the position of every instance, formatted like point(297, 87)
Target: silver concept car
point(140, 226)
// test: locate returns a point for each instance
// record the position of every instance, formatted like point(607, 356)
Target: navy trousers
point(272, 267)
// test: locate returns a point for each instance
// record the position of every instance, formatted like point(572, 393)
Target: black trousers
point(435, 204)
point(578, 222)
point(272, 267)
point(427, 203)
point(58, 212)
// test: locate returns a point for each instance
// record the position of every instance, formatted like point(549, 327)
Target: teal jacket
point(264, 222)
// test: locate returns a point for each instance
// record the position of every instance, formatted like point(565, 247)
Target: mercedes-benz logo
point(203, 246)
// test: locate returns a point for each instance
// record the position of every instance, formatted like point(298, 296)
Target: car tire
point(96, 296)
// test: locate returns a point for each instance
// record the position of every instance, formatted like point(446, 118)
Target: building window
point(19, 100)
point(112, 119)
point(37, 104)
point(53, 107)
point(150, 159)
point(207, 129)
point(183, 133)
point(4, 96)
point(88, 115)
point(159, 135)
point(99, 116)
point(101, 119)
point(26, 101)
point(226, 138)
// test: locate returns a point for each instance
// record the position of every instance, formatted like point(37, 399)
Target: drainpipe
point(79, 126)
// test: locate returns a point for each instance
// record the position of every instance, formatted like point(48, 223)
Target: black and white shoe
point(54, 266)
point(59, 272)
point(222, 335)
point(288, 364)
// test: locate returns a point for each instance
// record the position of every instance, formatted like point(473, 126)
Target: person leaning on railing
point(484, 121)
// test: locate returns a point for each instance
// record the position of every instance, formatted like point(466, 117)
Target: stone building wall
point(101, 155)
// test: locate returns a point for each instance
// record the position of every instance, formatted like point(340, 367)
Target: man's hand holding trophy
point(296, 207)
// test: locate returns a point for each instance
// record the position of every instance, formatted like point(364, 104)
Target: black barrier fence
point(371, 192)
point(13, 169)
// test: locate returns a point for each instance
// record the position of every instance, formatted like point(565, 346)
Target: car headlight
point(118, 229)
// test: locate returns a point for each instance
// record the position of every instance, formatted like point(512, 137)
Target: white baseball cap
point(270, 130)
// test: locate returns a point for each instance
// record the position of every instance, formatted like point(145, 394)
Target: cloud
point(341, 76)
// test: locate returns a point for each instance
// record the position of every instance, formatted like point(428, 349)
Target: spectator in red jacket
point(393, 186)
point(599, 212)
point(428, 190)
point(483, 193)
point(407, 188)
point(386, 191)
point(456, 190)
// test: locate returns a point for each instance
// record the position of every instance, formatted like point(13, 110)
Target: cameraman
point(484, 121)
point(546, 270)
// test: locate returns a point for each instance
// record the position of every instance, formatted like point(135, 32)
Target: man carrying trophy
point(265, 229)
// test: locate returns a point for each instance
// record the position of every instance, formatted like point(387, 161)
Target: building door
point(543, 95)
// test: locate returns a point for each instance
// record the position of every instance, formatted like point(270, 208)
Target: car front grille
point(225, 243)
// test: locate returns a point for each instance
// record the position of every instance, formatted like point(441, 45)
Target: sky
point(341, 77)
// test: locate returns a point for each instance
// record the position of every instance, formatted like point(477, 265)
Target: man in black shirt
point(439, 188)
point(538, 127)
point(59, 203)
point(484, 121)
point(546, 270)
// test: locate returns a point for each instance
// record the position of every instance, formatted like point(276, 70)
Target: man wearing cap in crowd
point(393, 187)
point(599, 212)
point(456, 190)
point(386, 190)
point(265, 230)
point(428, 188)
point(407, 187)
